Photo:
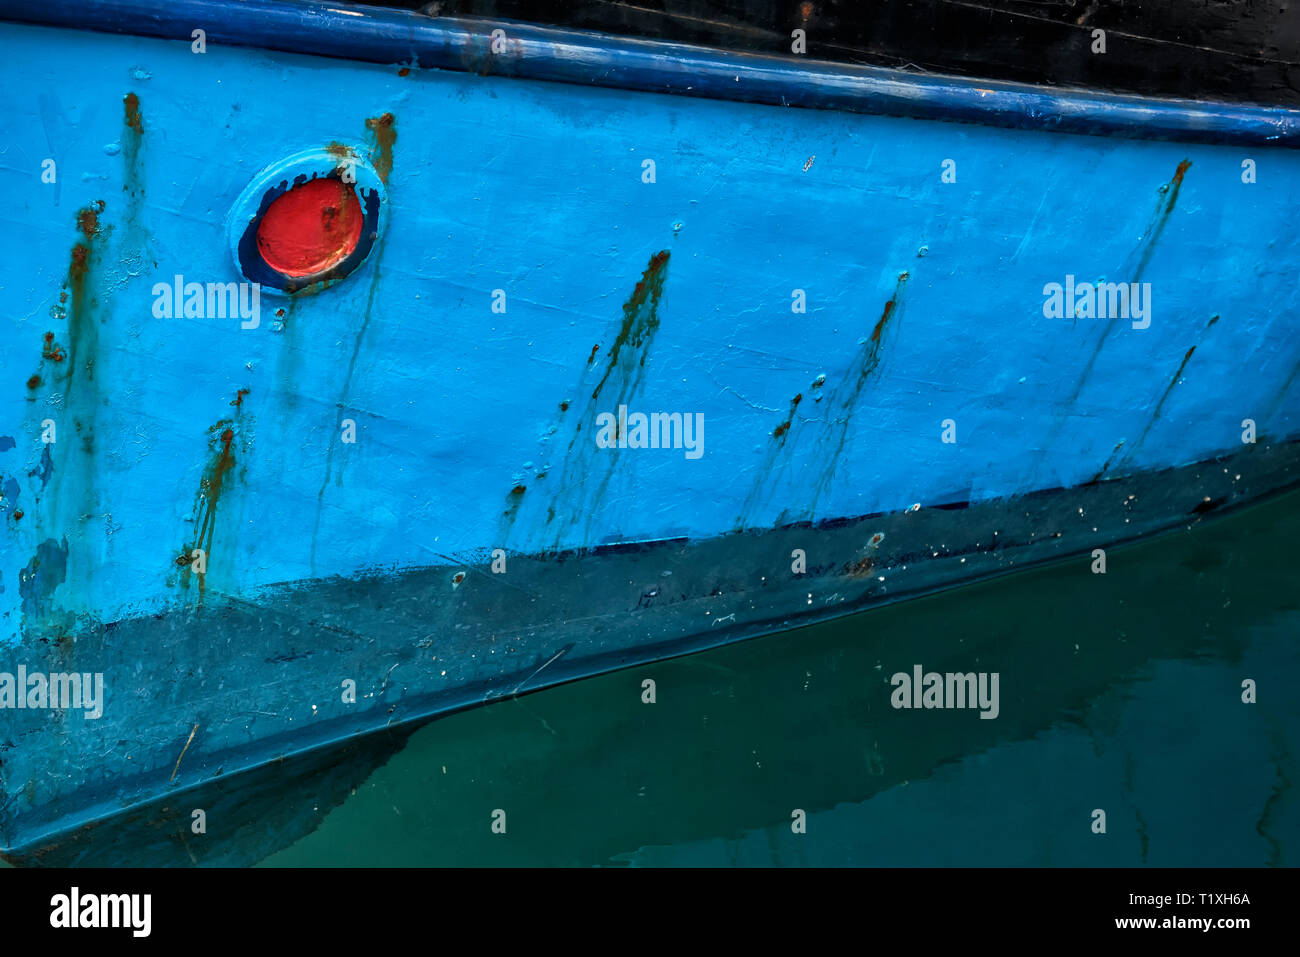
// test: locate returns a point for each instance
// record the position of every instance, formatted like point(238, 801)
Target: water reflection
point(1120, 692)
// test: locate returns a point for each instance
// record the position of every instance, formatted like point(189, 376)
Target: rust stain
point(88, 219)
point(1144, 250)
point(869, 357)
point(884, 318)
point(1181, 366)
point(78, 266)
point(889, 308)
point(81, 325)
point(385, 130)
point(865, 565)
point(834, 427)
point(52, 350)
point(1159, 407)
point(860, 568)
point(640, 316)
point(215, 480)
point(133, 117)
point(136, 237)
point(404, 71)
point(1106, 465)
point(584, 476)
point(34, 382)
point(1155, 415)
point(1169, 199)
point(781, 430)
point(513, 501)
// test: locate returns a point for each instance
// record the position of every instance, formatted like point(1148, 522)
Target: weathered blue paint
point(371, 561)
point(383, 35)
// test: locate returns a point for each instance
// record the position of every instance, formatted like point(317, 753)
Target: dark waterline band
point(389, 36)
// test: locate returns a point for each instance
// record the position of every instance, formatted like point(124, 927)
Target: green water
point(1120, 692)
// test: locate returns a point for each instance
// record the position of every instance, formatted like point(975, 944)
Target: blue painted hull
point(919, 424)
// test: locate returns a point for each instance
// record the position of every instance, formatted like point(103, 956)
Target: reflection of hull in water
point(245, 816)
point(330, 561)
point(1119, 691)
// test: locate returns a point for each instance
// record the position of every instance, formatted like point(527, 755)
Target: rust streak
point(133, 118)
point(639, 322)
point(52, 350)
point(884, 318)
point(385, 130)
point(781, 430)
point(88, 219)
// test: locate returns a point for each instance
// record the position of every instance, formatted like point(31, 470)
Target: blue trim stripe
point(382, 35)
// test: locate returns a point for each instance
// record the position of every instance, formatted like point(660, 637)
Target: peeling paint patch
point(9, 491)
point(38, 579)
point(45, 469)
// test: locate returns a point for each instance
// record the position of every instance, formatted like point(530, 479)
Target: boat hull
point(853, 306)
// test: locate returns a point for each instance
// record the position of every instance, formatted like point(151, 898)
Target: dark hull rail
point(382, 35)
point(1237, 50)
